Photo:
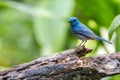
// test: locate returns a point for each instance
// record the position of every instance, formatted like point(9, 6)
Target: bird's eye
point(74, 20)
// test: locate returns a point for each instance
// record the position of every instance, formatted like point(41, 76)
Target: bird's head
point(73, 21)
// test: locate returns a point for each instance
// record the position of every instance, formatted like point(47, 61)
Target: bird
point(82, 32)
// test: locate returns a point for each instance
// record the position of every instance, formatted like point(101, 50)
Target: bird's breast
point(81, 37)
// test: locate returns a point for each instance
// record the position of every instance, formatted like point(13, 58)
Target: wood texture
point(67, 65)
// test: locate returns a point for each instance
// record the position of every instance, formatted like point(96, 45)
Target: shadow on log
point(67, 65)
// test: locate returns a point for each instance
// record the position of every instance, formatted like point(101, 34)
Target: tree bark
point(67, 65)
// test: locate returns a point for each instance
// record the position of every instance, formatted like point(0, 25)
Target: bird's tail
point(101, 39)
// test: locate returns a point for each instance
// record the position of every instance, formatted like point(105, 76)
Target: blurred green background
point(33, 28)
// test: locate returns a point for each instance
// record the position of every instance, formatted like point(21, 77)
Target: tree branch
point(67, 65)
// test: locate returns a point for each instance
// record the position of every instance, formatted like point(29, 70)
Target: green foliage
point(98, 10)
point(116, 77)
point(28, 31)
point(33, 28)
point(115, 27)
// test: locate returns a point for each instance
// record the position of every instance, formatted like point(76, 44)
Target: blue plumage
point(82, 32)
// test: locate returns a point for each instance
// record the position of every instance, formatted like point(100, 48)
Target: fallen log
point(66, 65)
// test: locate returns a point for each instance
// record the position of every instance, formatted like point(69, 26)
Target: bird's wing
point(86, 32)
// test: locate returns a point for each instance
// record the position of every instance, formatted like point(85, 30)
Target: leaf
point(117, 43)
point(114, 25)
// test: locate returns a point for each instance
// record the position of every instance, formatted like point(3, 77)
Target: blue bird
point(82, 32)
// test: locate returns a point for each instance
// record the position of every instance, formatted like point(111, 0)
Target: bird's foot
point(79, 48)
point(81, 45)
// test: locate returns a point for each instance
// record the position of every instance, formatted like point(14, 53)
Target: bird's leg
point(84, 42)
point(81, 43)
